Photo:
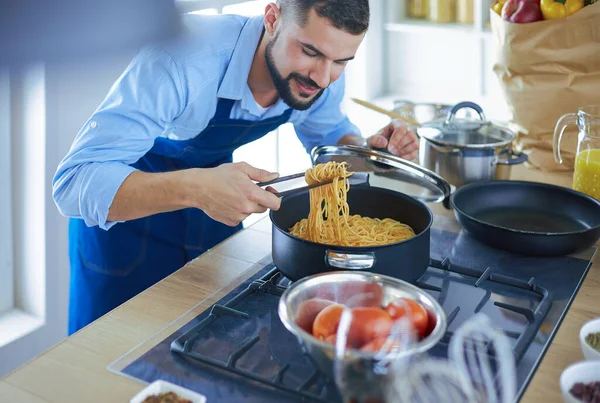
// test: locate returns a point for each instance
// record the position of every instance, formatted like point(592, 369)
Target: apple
point(522, 11)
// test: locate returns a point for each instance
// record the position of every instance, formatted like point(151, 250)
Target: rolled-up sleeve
point(326, 123)
point(142, 102)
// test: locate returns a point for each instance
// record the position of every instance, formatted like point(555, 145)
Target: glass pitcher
point(586, 176)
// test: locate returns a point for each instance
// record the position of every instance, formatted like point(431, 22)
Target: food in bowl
point(370, 326)
point(167, 397)
point(586, 392)
point(593, 340)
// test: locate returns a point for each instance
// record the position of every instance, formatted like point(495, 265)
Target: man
point(149, 182)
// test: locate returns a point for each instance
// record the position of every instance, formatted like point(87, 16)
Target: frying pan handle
point(349, 261)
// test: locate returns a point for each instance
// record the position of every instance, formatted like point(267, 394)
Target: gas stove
point(238, 349)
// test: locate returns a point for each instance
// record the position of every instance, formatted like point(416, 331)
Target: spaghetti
point(329, 221)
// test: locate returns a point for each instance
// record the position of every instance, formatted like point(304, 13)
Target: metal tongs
point(355, 178)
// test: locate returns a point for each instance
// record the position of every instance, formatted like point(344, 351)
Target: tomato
point(327, 321)
point(418, 315)
point(431, 323)
point(353, 293)
point(331, 339)
point(308, 311)
point(368, 324)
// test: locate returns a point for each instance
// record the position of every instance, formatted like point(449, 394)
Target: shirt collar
point(236, 77)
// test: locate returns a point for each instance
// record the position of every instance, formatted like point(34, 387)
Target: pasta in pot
point(329, 221)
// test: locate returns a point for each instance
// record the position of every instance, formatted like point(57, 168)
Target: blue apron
point(110, 267)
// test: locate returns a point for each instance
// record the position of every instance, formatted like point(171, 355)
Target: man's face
point(303, 61)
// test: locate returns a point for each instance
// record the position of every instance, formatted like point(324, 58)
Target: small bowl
point(592, 326)
point(583, 371)
point(339, 283)
point(161, 386)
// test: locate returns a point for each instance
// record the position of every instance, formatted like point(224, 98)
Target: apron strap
point(224, 107)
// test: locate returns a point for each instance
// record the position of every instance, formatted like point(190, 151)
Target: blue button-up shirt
point(172, 90)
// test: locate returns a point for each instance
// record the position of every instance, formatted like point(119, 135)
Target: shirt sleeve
point(148, 95)
point(326, 124)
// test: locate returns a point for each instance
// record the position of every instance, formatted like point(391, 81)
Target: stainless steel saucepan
point(464, 150)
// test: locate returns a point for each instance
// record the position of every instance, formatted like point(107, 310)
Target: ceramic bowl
point(592, 326)
point(161, 386)
point(583, 371)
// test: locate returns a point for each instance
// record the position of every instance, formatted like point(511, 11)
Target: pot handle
point(513, 159)
point(461, 105)
point(349, 261)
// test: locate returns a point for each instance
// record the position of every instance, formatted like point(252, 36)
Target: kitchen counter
point(75, 370)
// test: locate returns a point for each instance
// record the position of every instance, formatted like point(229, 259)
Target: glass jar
point(586, 176)
point(441, 11)
point(464, 11)
point(417, 8)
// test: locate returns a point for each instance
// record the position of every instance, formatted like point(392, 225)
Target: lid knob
point(461, 105)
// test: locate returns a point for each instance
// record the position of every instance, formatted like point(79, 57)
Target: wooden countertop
point(75, 370)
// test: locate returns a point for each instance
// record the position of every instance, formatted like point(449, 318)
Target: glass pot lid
point(466, 133)
point(387, 171)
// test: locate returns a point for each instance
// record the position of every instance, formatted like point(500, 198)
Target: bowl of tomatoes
point(311, 309)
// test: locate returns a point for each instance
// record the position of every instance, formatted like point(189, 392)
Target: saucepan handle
point(512, 158)
point(349, 261)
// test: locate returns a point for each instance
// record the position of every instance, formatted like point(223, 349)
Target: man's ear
point(272, 18)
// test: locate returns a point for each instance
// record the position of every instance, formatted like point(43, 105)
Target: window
point(6, 248)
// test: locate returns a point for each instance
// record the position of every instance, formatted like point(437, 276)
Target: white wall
point(71, 92)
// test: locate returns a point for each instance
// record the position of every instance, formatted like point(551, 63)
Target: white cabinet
point(434, 62)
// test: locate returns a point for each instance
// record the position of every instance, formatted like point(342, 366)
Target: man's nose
point(321, 74)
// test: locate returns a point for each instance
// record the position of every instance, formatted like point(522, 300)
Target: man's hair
point(348, 15)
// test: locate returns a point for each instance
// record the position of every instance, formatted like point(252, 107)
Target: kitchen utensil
point(485, 356)
point(480, 368)
point(352, 178)
point(282, 179)
point(591, 326)
point(467, 150)
point(368, 380)
point(407, 260)
point(391, 114)
point(527, 217)
point(586, 177)
point(388, 171)
point(583, 371)
point(423, 112)
point(340, 286)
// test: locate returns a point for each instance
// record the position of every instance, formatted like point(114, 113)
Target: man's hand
point(228, 194)
point(398, 139)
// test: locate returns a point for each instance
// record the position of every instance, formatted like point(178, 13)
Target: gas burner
point(239, 349)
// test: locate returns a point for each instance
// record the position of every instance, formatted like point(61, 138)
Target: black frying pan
point(527, 217)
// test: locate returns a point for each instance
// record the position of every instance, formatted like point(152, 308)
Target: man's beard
point(283, 85)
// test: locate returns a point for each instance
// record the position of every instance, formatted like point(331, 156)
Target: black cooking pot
point(406, 260)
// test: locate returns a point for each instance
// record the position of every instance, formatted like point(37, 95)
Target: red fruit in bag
point(522, 11)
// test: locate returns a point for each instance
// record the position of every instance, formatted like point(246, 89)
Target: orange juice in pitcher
point(586, 177)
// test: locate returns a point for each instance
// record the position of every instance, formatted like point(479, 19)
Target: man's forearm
point(143, 194)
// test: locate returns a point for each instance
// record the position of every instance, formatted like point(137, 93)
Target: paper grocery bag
point(546, 69)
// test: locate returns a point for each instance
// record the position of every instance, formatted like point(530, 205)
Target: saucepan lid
point(466, 133)
point(388, 171)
